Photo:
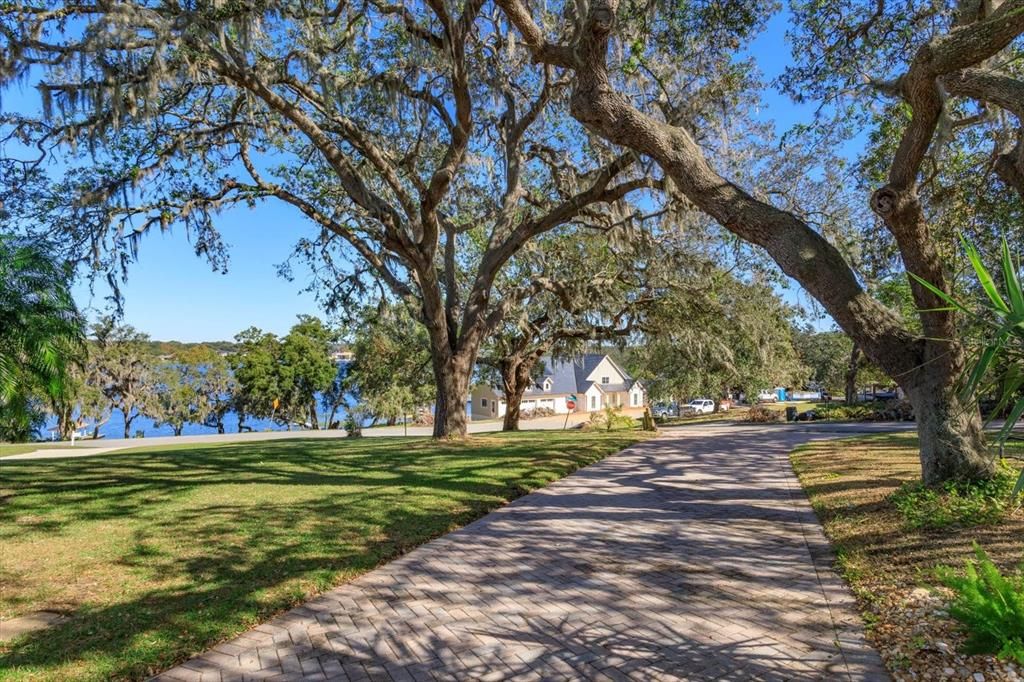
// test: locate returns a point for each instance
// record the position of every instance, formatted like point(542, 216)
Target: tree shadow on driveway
point(684, 557)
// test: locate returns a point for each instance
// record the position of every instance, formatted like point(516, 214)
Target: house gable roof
point(570, 376)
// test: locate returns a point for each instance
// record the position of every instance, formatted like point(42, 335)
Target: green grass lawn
point(21, 448)
point(158, 554)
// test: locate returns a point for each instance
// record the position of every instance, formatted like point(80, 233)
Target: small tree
point(826, 354)
point(83, 401)
point(255, 365)
point(390, 375)
point(122, 369)
point(718, 335)
point(216, 384)
point(306, 368)
point(336, 395)
point(177, 397)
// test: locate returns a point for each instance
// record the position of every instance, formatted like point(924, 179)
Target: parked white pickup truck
point(700, 406)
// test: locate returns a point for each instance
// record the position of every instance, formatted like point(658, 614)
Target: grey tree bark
point(450, 406)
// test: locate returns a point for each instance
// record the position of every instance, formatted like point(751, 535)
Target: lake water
point(115, 427)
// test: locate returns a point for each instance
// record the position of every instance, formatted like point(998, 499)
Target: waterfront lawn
point(158, 554)
point(22, 448)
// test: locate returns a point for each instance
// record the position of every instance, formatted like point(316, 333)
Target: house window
point(593, 402)
point(483, 402)
point(547, 384)
point(605, 380)
point(636, 397)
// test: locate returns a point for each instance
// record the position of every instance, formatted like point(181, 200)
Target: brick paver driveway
point(692, 556)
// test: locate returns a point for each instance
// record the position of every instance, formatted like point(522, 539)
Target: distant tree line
point(264, 376)
point(293, 380)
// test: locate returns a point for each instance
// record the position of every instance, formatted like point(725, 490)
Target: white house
point(596, 380)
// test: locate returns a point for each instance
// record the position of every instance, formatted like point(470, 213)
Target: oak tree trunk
point(952, 444)
point(515, 378)
point(513, 411)
point(452, 379)
point(851, 375)
point(65, 422)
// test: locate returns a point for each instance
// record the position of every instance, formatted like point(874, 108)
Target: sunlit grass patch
point(160, 553)
point(962, 503)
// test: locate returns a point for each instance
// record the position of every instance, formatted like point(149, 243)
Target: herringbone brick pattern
point(693, 556)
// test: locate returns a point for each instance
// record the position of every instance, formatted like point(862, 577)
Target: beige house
point(596, 380)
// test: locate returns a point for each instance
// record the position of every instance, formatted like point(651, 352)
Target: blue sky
point(172, 294)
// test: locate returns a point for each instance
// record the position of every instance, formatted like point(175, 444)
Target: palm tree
point(41, 333)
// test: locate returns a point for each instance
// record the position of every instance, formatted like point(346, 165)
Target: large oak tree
point(427, 148)
point(949, 53)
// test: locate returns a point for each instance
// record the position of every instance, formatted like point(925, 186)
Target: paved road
point(692, 556)
point(91, 447)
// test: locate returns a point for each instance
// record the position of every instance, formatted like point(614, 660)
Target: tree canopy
point(719, 337)
point(390, 375)
point(426, 146)
point(959, 54)
point(432, 143)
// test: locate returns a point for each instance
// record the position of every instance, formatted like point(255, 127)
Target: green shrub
point(610, 418)
point(990, 606)
point(762, 415)
point(353, 424)
point(864, 412)
point(838, 412)
point(956, 502)
point(892, 410)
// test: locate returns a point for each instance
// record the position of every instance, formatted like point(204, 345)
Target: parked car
point(699, 406)
point(662, 410)
point(767, 397)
